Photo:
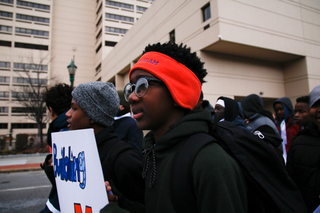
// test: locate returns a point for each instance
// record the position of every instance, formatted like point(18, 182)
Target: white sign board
point(78, 173)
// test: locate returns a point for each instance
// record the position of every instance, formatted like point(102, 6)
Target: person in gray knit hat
point(99, 100)
point(94, 105)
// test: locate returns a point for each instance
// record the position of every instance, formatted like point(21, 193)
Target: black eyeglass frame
point(134, 88)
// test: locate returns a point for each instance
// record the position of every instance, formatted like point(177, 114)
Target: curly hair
point(182, 54)
point(58, 98)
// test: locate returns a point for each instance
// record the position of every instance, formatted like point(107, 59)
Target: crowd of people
point(163, 98)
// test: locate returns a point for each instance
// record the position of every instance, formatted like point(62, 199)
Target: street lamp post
point(72, 71)
point(10, 139)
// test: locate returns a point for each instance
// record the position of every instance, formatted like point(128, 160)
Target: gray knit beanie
point(314, 95)
point(99, 100)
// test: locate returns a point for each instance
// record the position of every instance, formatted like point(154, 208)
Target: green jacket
point(218, 182)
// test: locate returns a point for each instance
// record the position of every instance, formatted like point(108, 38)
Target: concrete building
point(271, 48)
point(51, 33)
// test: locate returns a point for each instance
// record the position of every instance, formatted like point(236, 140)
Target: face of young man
point(315, 113)
point(302, 116)
point(280, 110)
point(220, 110)
point(156, 109)
point(77, 118)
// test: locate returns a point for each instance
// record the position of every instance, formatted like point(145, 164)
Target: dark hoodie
point(232, 111)
point(218, 183)
point(252, 108)
point(291, 127)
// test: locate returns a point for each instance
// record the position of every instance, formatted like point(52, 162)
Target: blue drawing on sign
point(70, 168)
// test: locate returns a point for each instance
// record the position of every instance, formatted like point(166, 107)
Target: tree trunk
point(40, 134)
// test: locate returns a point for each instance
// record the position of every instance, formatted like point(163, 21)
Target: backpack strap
point(182, 190)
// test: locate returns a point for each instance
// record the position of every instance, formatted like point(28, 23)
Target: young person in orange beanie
point(165, 85)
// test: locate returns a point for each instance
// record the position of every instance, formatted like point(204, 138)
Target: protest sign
point(78, 173)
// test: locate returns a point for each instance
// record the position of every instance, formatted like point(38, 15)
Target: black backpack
point(270, 189)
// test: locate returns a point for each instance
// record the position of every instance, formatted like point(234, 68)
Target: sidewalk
point(25, 162)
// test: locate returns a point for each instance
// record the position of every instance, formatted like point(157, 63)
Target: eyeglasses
point(140, 88)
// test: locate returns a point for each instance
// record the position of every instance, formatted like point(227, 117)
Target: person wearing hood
point(165, 86)
point(228, 110)
point(285, 122)
point(303, 163)
point(259, 119)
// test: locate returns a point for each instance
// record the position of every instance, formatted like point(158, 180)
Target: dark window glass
point(206, 12)
point(5, 43)
point(3, 126)
point(99, 47)
point(110, 43)
point(172, 36)
point(31, 46)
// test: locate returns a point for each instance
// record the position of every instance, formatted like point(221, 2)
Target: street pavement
point(23, 162)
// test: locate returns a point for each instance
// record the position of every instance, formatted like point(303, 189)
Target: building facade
point(38, 39)
point(270, 48)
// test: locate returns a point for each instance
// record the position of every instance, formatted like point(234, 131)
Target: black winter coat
point(303, 164)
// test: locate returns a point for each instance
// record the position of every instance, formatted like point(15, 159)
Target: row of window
point(116, 30)
point(33, 5)
point(21, 126)
point(20, 80)
point(28, 4)
point(27, 95)
point(118, 17)
point(32, 32)
point(24, 45)
point(24, 17)
point(18, 110)
point(24, 66)
point(125, 6)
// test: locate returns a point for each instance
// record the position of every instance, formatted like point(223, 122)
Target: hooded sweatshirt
point(291, 128)
point(218, 182)
point(232, 111)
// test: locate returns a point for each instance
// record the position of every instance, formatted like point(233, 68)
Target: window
point(32, 18)
point(99, 34)
point(31, 46)
point(110, 43)
point(32, 32)
point(172, 37)
point(98, 68)
point(3, 126)
point(7, 1)
point(26, 126)
point(4, 109)
point(4, 79)
point(6, 14)
point(116, 30)
point(206, 12)
point(118, 4)
point(118, 17)
point(141, 9)
point(33, 5)
point(5, 43)
point(20, 80)
point(37, 67)
point(24, 110)
point(99, 47)
point(4, 64)
point(4, 94)
point(5, 28)
point(99, 22)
